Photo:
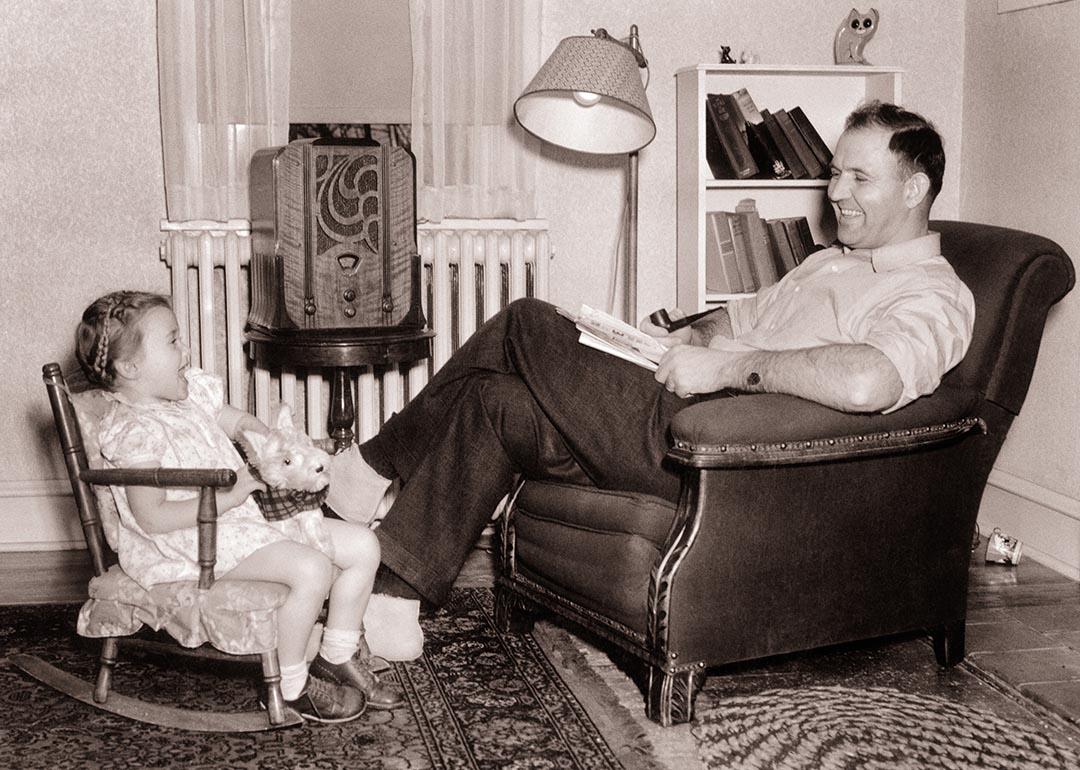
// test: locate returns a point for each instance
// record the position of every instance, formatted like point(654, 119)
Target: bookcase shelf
point(826, 93)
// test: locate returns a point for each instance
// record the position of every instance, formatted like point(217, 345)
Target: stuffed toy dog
point(295, 471)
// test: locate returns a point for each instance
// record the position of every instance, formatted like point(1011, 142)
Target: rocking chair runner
point(216, 620)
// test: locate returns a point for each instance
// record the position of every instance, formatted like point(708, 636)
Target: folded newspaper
point(607, 333)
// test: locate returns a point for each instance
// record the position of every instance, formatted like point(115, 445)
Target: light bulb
point(586, 98)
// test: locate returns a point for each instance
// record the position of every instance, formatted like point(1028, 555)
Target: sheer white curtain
point(224, 82)
point(471, 60)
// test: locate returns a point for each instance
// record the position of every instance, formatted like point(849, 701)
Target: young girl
point(166, 413)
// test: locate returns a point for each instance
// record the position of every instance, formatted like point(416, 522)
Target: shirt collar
point(897, 255)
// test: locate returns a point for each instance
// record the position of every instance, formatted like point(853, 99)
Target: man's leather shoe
point(352, 673)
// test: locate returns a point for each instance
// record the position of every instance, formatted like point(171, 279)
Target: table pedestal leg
point(342, 413)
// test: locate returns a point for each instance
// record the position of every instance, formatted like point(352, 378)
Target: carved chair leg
point(106, 662)
point(510, 615)
point(275, 704)
point(670, 698)
point(948, 643)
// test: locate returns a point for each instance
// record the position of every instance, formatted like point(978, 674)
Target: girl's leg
point(308, 575)
point(356, 554)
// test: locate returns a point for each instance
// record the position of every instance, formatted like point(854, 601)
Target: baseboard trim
point(1035, 493)
point(38, 515)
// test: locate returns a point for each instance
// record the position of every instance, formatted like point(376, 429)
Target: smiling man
point(865, 326)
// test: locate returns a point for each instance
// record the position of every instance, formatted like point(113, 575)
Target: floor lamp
point(588, 96)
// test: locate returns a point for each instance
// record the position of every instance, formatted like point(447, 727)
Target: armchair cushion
point(238, 617)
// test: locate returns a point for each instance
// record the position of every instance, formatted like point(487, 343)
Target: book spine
point(747, 108)
point(741, 249)
point(715, 156)
point(798, 170)
point(761, 258)
point(813, 166)
point(732, 141)
point(720, 271)
point(813, 138)
point(769, 159)
point(802, 225)
point(785, 257)
point(798, 248)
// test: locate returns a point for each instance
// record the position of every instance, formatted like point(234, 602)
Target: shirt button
point(835, 268)
point(798, 289)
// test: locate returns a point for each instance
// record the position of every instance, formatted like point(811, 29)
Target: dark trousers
point(521, 396)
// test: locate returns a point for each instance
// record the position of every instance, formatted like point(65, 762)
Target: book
point(799, 237)
point(812, 137)
point(747, 108)
point(714, 153)
point(761, 257)
point(798, 170)
point(728, 130)
point(607, 333)
point(741, 249)
point(770, 160)
point(813, 166)
point(720, 273)
point(778, 237)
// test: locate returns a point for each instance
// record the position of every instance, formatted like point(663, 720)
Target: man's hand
point(688, 370)
point(682, 336)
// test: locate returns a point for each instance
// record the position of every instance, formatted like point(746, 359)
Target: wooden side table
point(339, 350)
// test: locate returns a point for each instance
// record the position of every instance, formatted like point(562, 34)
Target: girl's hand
point(246, 483)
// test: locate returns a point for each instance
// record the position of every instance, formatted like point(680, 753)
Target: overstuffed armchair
point(797, 526)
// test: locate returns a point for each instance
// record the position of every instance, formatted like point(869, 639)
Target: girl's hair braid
point(109, 332)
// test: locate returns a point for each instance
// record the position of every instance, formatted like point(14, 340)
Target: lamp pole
point(630, 277)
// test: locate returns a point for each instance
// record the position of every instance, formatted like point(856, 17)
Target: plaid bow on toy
point(281, 504)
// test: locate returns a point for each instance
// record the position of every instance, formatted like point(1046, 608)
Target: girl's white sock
point(339, 645)
point(293, 679)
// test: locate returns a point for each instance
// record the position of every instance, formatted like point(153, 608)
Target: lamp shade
point(588, 96)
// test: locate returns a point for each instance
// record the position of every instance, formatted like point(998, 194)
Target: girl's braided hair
point(109, 332)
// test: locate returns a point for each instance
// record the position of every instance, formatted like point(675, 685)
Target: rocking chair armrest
point(160, 477)
point(204, 478)
point(773, 429)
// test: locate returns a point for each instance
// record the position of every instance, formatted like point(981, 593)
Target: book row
point(743, 142)
point(744, 252)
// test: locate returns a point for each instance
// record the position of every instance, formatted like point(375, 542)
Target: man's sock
point(392, 627)
point(293, 678)
point(388, 583)
point(356, 489)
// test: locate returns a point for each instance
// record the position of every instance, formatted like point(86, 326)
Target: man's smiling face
point(867, 191)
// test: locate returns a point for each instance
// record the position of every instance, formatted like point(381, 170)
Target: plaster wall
point(1020, 162)
point(80, 205)
point(581, 195)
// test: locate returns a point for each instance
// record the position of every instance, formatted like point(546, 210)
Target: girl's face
point(162, 358)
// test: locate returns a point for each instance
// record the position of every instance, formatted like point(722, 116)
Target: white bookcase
point(826, 93)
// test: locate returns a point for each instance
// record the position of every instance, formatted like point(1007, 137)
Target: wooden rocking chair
point(227, 620)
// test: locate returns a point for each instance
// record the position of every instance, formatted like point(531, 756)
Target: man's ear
point(916, 188)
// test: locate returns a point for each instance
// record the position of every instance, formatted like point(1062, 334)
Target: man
point(865, 326)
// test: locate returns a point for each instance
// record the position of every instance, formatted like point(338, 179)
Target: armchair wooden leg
point(106, 662)
point(670, 698)
point(510, 615)
point(275, 704)
point(949, 643)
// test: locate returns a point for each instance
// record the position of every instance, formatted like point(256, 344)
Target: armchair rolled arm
point(772, 429)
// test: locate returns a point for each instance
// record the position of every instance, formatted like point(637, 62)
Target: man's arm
point(852, 378)
point(701, 332)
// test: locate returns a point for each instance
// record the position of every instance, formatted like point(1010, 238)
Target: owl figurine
point(853, 35)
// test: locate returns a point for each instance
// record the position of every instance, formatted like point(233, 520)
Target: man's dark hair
point(914, 138)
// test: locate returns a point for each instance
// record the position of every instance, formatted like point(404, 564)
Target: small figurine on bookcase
point(852, 36)
point(725, 55)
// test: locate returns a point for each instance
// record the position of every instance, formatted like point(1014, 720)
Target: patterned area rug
point(874, 727)
point(475, 700)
